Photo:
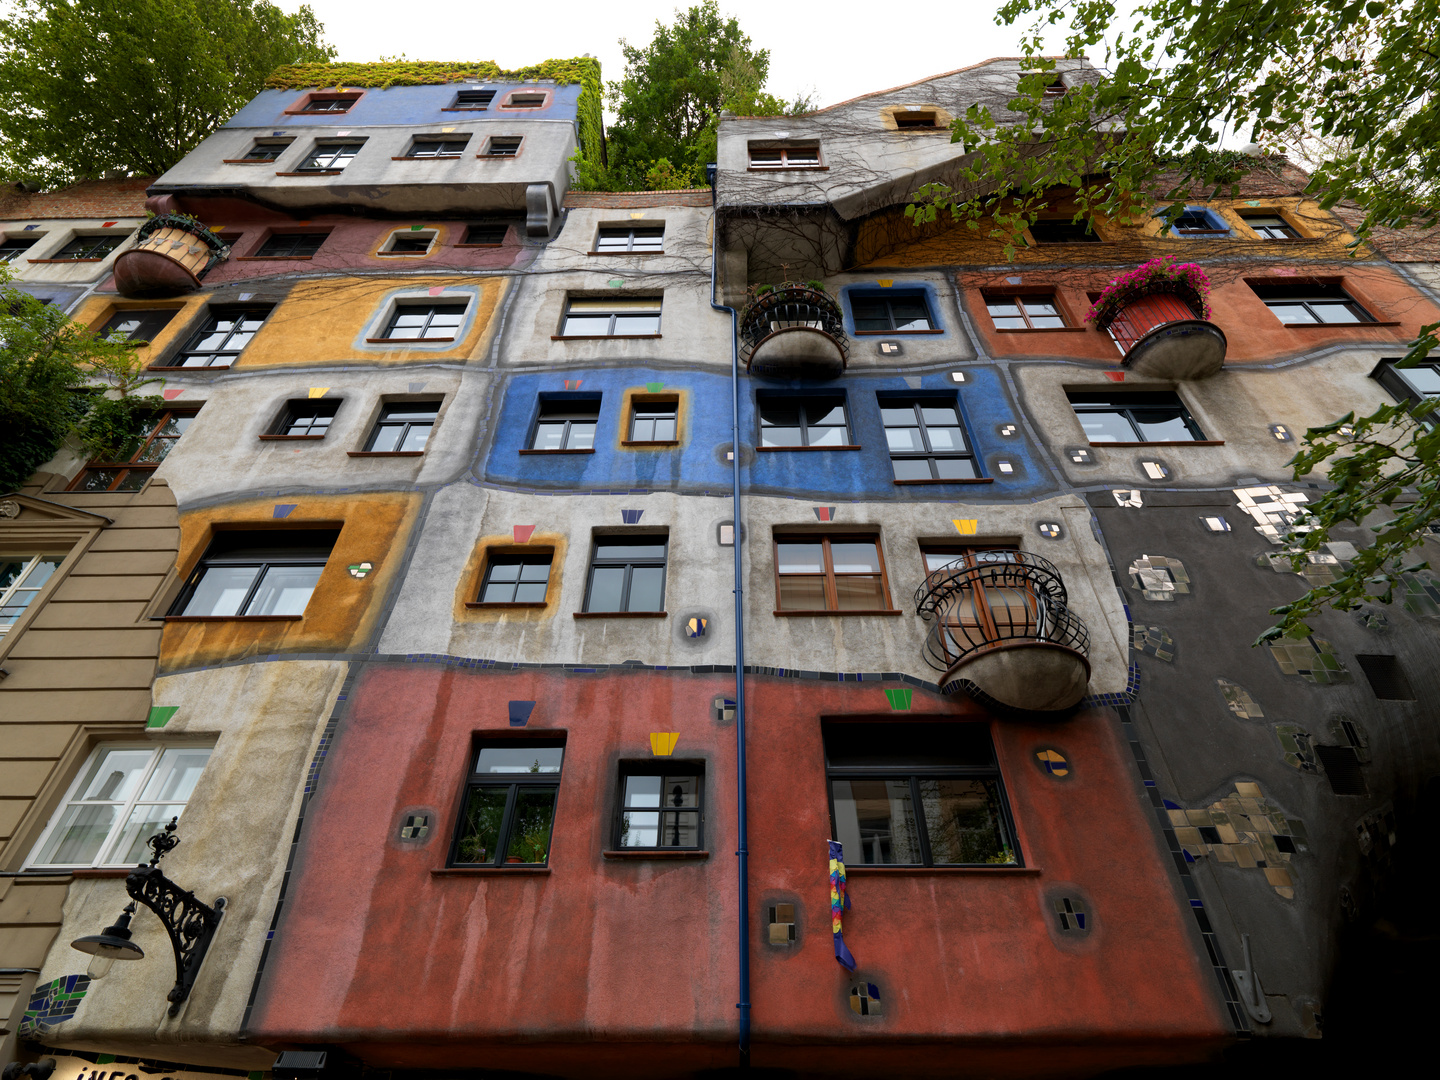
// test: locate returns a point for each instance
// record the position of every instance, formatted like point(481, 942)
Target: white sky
point(836, 50)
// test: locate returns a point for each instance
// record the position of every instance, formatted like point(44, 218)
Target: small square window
point(403, 428)
point(15, 246)
point(891, 311)
point(425, 322)
point(1148, 417)
point(221, 338)
point(429, 147)
point(331, 156)
point(789, 421)
point(630, 238)
point(291, 245)
point(329, 103)
point(247, 573)
point(409, 242)
point(473, 100)
point(1063, 231)
point(87, 246)
point(566, 424)
point(627, 573)
point(1299, 304)
point(654, 419)
point(1024, 312)
point(926, 438)
point(502, 146)
point(796, 156)
point(306, 418)
point(266, 151)
point(516, 579)
point(661, 807)
point(487, 234)
point(825, 573)
point(138, 327)
point(526, 99)
point(619, 316)
point(1270, 227)
point(509, 808)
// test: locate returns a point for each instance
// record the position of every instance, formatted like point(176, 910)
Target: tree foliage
point(91, 86)
point(668, 102)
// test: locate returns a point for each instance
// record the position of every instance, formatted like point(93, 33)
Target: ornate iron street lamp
point(190, 923)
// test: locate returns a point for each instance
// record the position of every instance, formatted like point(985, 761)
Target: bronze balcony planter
point(1002, 632)
point(794, 330)
point(1161, 334)
point(172, 252)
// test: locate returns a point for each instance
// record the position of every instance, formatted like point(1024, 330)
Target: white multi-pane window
point(21, 579)
point(124, 795)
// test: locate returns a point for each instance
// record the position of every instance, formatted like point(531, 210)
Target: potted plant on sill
point(1159, 317)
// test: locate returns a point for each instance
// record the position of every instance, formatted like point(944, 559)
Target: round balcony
point(1162, 335)
point(794, 330)
point(172, 252)
point(1002, 632)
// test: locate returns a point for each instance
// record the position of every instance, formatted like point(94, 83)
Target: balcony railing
point(1161, 334)
point(793, 329)
point(1002, 628)
point(172, 252)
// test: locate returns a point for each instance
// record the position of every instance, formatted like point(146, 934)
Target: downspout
point(741, 823)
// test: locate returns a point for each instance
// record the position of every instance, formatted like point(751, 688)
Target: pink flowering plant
point(1162, 275)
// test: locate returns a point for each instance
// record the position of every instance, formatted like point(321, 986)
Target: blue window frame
point(1197, 222)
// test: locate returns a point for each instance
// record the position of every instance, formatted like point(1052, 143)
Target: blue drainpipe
point(741, 823)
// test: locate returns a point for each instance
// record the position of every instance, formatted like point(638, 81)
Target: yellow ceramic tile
point(1243, 856)
point(1223, 852)
point(1228, 835)
point(1288, 894)
point(1247, 788)
point(1198, 817)
point(1278, 877)
point(1177, 817)
point(779, 933)
point(662, 743)
point(1188, 835)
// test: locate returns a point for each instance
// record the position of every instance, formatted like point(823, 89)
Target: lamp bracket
point(189, 922)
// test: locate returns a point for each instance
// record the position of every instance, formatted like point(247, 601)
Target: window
point(1001, 606)
point(138, 326)
point(517, 579)
point(627, 573)
point(1055, 87)
point(1197, 221)
point(266, 151)
point(785, 157)
point(159, 439)
point(509, 809)
point(803, 421)
point(89, 247)
point(410, 242)
point(502, 146)
point(223, 337)
point(1302, 304)
point(488, 234)
point(434, 147)
point(425, 322)
point(654, 419)
point(890, 312)
point(660, 806)
point(473, 100)
point(917, 794)
point(304, 418)
point(637, 316)
point(631, 238)
point(257, 573)
point(1063, 231)
point(1269, 227)
point(824, 573)
point(526, 100)
point(1156, 416)
point(21, 579)
point(1024, 312)
point(291, 245)
point(329, 103)
point(331, 156)
point(566, 424)
point(14, 246)
point(1416, 384)
point(926, 439)
point(123, 796)
point(403, 428)
point(912, 119)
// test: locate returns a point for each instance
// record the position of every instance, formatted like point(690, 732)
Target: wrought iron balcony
point(793, 330)
point(1161, 334)
point(1002, 631)
point(172, 252)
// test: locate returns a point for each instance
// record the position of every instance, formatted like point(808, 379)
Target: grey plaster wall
point(54, 235)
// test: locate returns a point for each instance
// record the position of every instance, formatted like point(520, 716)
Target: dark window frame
point(262, 565)
point(472, 230)
point(317, 153)
point(214, 315)
point(511, 782)
point(478, 101)
point(828, 573)
point(294, 411)
point(664, 768)
point(291, 245)
point(266, 150)
point(918, 403)
point(383, 421)
point(13, 247)
point(1397, 382)
point(1289, 231)
point(803, 404)
point(1136, 402)
point(77, 250)
point(508, 101)
point(655, 402)
point(612, 315)
point(1326, 292)
point(320, 104)
point(502, 146)
point(1062, 230)
point(126, 472)
point(149, 318)
point(567, 408)
point(630, 563)
point(914, 773)
point(458, 143)
point(887, 297)
point(536, 556)
point(917, 120)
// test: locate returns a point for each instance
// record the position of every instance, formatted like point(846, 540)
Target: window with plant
point(509, 808)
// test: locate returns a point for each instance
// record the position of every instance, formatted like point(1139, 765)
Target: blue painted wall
point(699, 464)
point(402, 105)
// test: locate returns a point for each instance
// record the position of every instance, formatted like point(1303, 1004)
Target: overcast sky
point(835, 51)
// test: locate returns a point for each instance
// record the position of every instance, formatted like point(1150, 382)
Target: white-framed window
point(21, 579)
point(414, 242)
point(126, 793)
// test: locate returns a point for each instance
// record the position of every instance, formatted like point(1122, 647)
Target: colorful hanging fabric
point(839, 902)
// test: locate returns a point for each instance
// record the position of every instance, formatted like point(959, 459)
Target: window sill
point(973, 480)
point(653, 853)
point(895, 333)
point(479, 245)
point(789, 449)
point(1043, 330)
point(788, 168)
point(102, 871)
point(273, 258)
point(292, 438)
point(431, 157)
point(602, 337)
point(476, 871)
point(555, 451)
point(245, 161)
point(622, 614)
point(497, 157)
point(503, 606)
point(406, 340)
point(1185, 442)
point(64, 260)
point(182, 367)
point(649, 442)
point(1006, 870)
point(485, 108)
point(1287, 326)
point(385, 453)
point(313, 172)
point(233, 618)
point(316, 112)
point(408, 255)
point(856, 611)
point(627, 254)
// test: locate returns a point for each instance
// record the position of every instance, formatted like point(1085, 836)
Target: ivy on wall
point(584, 70)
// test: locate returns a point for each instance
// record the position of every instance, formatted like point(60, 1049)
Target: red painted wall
point(408, 968)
